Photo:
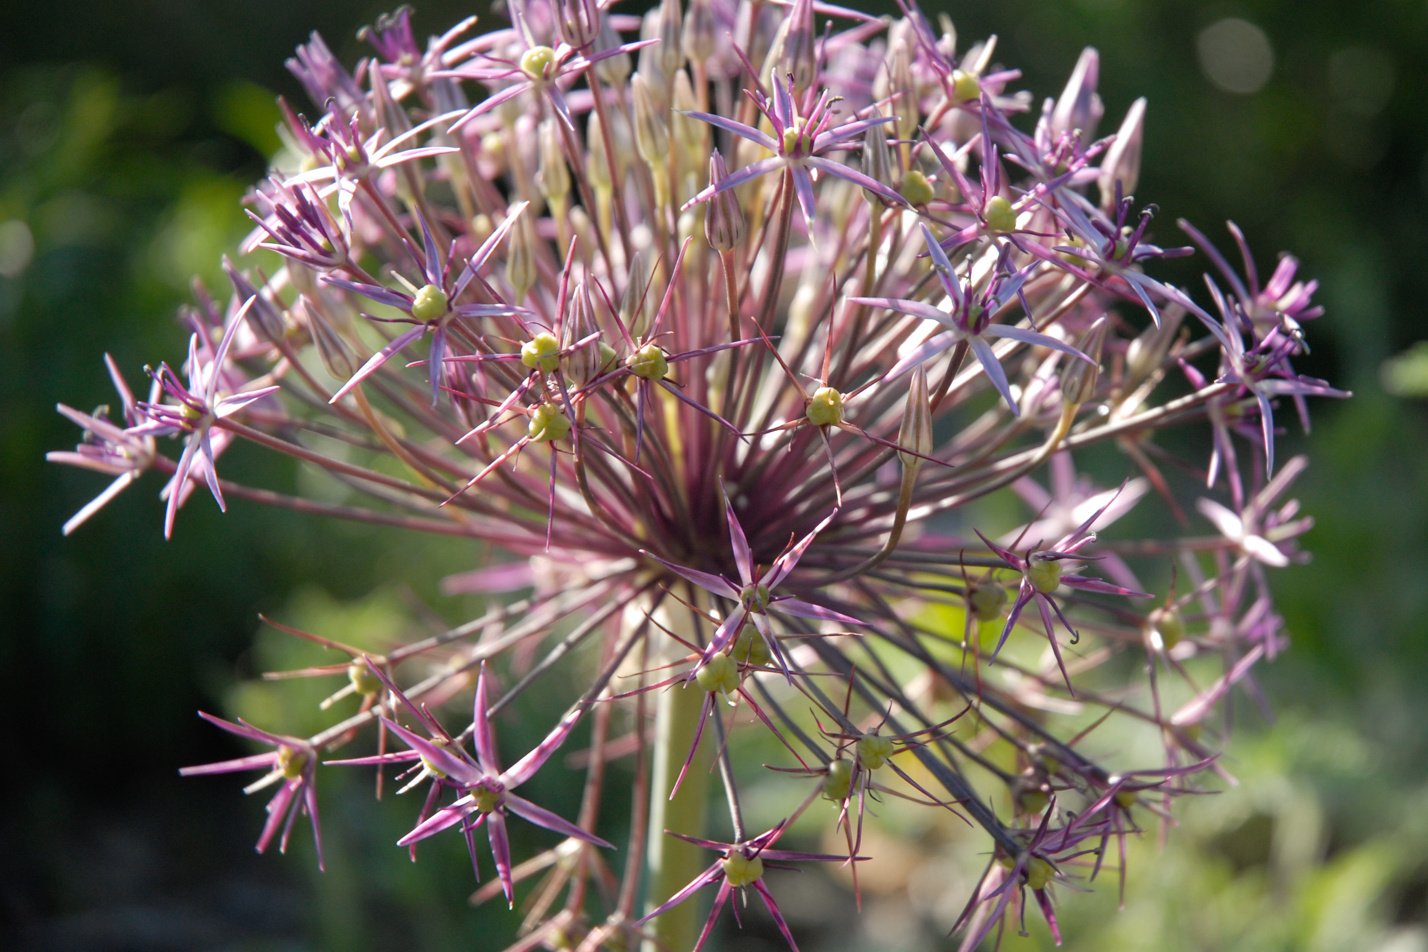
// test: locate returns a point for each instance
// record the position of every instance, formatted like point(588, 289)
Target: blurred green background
point(128, 133)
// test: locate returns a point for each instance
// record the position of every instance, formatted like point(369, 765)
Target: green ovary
point(826, 407)
point(548, 424)
point(742, 870)
point(541, 352)
point(1044, 575)
point(430, 303)
point(648, 363)
point(537, 61)
point(874, 751)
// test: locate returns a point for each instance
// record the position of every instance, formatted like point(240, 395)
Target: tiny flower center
point(1001, 216)
point(541, 352)
point(720, 673)
point(548, 423)
point(1038, 872)
point(486, 797)
point(793, 141)
point(839, 782)
point(965, 86)
point(741, 870)
point(874, 751)
point(1169, 625)
point(291, 762)
point(916, 188)
point(363, 681)
point(987, 601)
point(537, 61)
point(1044, 575)
point(648, 363)
point(430, 303)
point(755, 597)
point(826, 407)
point(749, 648)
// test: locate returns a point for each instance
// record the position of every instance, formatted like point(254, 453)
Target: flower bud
point(597, 167)
point(520, 265)
point(724, 224)
point(634, 303)
point(579, 22)
point(700, 41)
point(915, 432)
point(1079, 378)
point(1120, 168)
point(554, 175)
point(651, 124)
point(670, 48)
point(1079, 109)
point(612, 70)
point(877, 161)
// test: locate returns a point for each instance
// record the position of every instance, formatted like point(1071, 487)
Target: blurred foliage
point(128, 133)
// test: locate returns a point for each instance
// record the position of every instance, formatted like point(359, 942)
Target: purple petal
point(737, 128)
point(377, 360)
point(540, 816)
point(501, 853)
point(988, 359)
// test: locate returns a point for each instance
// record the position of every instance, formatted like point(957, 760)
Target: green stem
point(673, 863)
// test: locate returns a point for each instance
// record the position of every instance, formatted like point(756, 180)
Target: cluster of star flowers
point(818, 423)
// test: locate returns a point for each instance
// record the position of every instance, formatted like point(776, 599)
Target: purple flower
point(741, 867)
point(971, 322)
point(798, 143)
point(486, 790)
point(431, 307)
point(125, 453)
point(196, 411)
point(291, 764)
point(753, 593)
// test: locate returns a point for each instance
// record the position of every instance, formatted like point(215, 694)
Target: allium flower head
point(784, 375)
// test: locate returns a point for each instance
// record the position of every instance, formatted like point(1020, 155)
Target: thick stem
point(673, 863)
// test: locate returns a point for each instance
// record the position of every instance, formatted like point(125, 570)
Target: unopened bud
point(915, 433)
point(579, 22)
point(1079, 378)
point(877, 161)
point(671, 36)
point(724, 224)
point(598, 167)
point(520, 265)
point(1120, 168)
point(700, 41)
point(554, 175)
point(634, 302)
point(612, 70)
point(651, 123)
point(1079, 109)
